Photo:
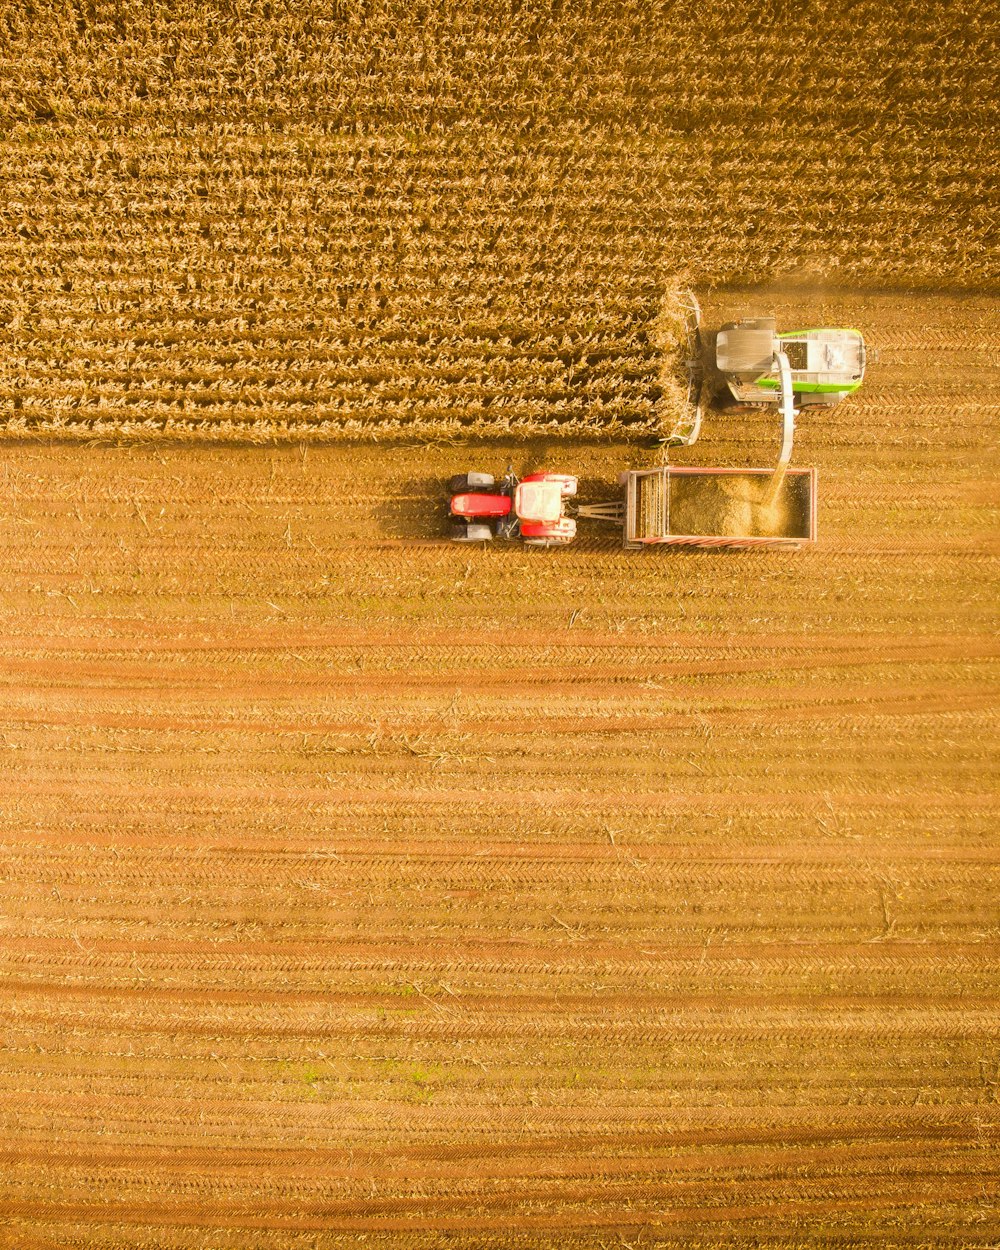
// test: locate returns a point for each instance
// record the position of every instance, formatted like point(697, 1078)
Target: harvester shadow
point(714, 383)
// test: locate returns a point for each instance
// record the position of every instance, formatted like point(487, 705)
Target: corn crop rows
point(404, 220)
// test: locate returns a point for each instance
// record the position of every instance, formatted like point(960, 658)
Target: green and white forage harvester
point(756, 365)
point(819, 367)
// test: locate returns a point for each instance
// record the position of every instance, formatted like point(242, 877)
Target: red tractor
point(532, 508)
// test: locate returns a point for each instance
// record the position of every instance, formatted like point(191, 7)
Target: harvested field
point(362, 889)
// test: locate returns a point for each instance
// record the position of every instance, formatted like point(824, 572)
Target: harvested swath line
point(181, 637)
point(100, 987)
point(545, 1125)
point(841, 654)
point(625, 1219)
point(443, 850)
point(98, 783)
point(290, 1164)
point(893, 961)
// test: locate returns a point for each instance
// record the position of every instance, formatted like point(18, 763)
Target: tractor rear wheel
point(475, 532)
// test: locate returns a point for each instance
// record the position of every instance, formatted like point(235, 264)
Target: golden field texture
point(421, 220)
point(362, 889)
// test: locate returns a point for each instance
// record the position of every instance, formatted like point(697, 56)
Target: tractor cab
point(538, 501)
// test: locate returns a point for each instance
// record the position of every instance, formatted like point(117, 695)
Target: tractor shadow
point(419, 510)
point(421, 513)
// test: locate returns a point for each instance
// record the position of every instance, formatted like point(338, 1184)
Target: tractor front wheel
point(462, 482)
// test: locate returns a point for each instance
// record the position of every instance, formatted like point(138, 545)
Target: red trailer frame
point(636, 542)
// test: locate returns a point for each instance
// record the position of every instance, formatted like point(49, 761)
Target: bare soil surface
point(359, 888)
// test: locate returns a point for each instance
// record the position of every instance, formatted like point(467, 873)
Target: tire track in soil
point(557, 679)
point(887, 704)
point(515, 1003)
point(548, 1157)
point(388, 800)
point(331, 1217)
point(174, 638)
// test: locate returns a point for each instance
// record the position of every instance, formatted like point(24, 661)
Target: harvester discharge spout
point(787, 428)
